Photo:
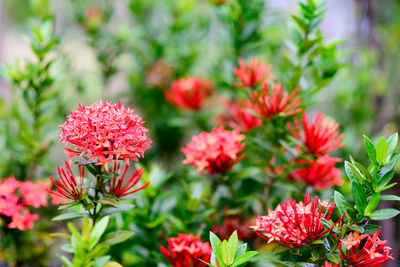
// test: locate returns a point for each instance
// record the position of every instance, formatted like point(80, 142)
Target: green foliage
point(85, 246)
point(30, 120)
point(369, 182)
point(229, 253)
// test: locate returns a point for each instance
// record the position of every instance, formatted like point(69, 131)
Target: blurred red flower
point(238, 116)
point(253, 73)
point(188, 93)
point(270, 103)
point(321, 136)
point(231, 224)
point(294, 224)
point(104, 131)
point(23, 221)
point(16, 196)
point(35, 194)
point(115, 186)
point(187, 250)
point(68, 186)
point(320, 173)
point(373, 252)
point(217, 151)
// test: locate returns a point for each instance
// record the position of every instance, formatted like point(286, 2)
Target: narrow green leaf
point(392, 143)
point(325, 223)
point(244, 258)
point(233, 244)
point(117, 237)
point(384, 180)
point(68, 216)
point(359, 197)
point(353, 173)
point(390, 197)
point(384, 214)
point(370, 148)
point(98, 231)
point(226, 256)
point(216, 246)
point(373, 203)
point(340, 200)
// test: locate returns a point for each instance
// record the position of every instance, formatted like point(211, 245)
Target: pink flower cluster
point(187, 250)
point(238, 116)
point(16, 196)
point(294, 224)
point(216, 151)
point(105, 132)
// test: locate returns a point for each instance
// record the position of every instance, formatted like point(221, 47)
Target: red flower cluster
point(328, 264)
point(187, 250)
point(271, 103)
point(254, 73)
point(231, 224)
point(374, 250)
point(321, 136)
point(294, 224)
point(68, 187)
point(320, 174)
point(239, 117)
point(115, 187)
point(216, 151)
point(13, 205)
point(104, 131)
point(188, 93)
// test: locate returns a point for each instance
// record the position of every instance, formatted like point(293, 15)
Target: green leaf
point(371, 228)
point(356, 228)
point(364, 171)
point(326, 223)
point(233, 244)
point(384, 180)
point(226, 255)
point(392, 143)
point(117, 237)
point(159, 220)
point(69, 215)
point(193, 204)
point(215, 245)
point(98, 231)
point(353, 173)
point(390, 197)
point(241, 250)
point(384, 214)
point(244, 258)
point(373, 203)
point(381, 151)
point(60, 235)
point(370, 148)
point(340, 200)
point(359, 197)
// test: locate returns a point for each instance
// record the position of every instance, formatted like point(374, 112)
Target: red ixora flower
point(216, 151)
point(321, 136)
point(23, 221)
point(35, 194)
point(104, 131)
point(253, 73)
point(373, 251)
point(238, 116)
point(320, 173)
point(187, 250)
point(68, 186)
point(188, 93)
point(272, 101)
point(115, 186)
point(294, 224)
